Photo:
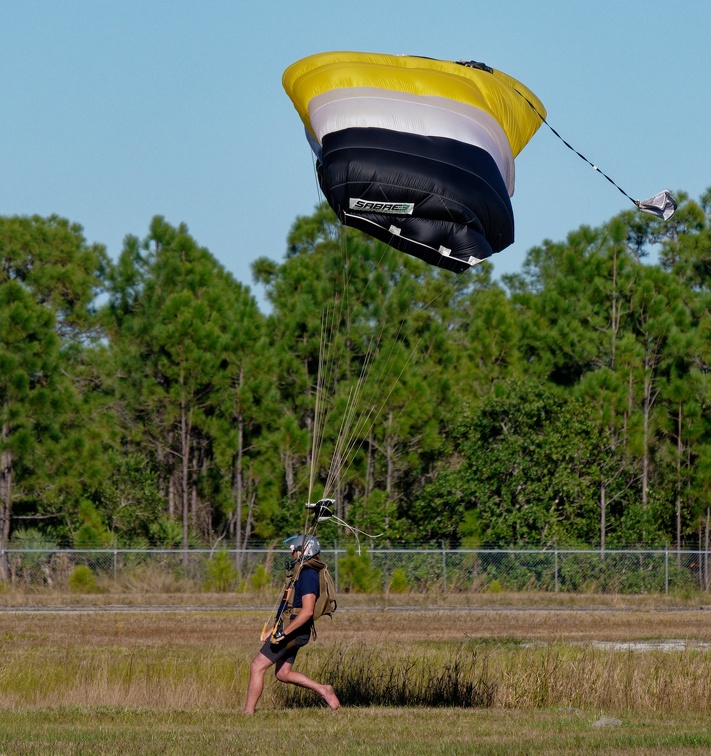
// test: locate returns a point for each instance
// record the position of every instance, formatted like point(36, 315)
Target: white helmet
point(311, 545)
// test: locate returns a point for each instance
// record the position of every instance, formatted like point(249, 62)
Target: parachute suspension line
point(351, 400)
point(348, 439)
point(368, 420)
point(319, 409)
point(326, 378)
point(344, 243)
point(325, 367)
point(365, 423)
point(352, 425)
point(330, 317)
point(663, 205)
point(351, 431)
point(319, 193)
point(327, 357)
point(346, 433)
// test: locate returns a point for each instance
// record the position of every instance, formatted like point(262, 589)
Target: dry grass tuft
point(512, 676)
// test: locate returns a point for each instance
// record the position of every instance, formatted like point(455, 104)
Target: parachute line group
point(352, 424)
point(361, 412)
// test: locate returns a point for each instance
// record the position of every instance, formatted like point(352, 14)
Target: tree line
point(149, 400)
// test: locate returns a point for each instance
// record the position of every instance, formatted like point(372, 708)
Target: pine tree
point(49, 277)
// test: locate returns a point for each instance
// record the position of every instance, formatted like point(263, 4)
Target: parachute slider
point(321, 503)
point(322, 509)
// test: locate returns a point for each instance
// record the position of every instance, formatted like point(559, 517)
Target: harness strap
point(314, 563)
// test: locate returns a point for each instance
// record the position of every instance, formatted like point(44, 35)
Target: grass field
point(117, 730)
point(508, 674)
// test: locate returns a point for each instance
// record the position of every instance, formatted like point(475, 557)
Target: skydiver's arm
point(308, 601)
point(266, 632)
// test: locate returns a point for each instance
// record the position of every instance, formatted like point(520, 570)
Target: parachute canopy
point(417, 152)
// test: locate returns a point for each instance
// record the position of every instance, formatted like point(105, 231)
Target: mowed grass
point(503, 679)
point(375, 730)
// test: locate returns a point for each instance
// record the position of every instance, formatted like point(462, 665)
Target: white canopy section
point(371, 107)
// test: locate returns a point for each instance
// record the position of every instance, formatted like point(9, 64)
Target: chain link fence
point(376, 570)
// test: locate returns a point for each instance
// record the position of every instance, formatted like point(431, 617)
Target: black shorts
point(288, 648)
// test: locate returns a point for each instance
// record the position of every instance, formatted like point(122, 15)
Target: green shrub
point(83, 580)
point(494, 587)
point(92, 533)
point(166, 533)
point(36, 554)
point(356, 573)
point(221, 572)
point(398, 581)
point(259, 579)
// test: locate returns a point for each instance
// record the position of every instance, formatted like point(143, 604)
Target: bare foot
point(331, 698)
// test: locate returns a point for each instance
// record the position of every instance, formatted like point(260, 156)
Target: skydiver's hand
point(279, 635)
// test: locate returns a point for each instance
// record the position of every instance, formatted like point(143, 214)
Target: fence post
point(666, 568)
point(556, 569)
point(701, 568)
point(115, 564)
point(335, 569)
point(444, 569)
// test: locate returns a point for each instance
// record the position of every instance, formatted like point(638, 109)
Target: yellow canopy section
point(502, 96)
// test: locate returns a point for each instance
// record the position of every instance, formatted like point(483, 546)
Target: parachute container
point(417, 152)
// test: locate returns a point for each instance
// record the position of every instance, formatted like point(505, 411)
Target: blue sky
point(113, 112)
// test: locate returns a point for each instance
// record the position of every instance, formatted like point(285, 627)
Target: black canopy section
point(435, 198)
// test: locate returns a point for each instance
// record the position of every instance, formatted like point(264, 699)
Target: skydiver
point(282, 648)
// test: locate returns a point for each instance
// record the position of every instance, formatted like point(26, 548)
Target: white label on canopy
point(390, 208)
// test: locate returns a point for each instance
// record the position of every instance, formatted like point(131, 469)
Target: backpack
point(326, 603)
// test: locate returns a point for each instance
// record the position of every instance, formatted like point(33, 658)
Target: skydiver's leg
point(260, 664)
point(286, 674)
